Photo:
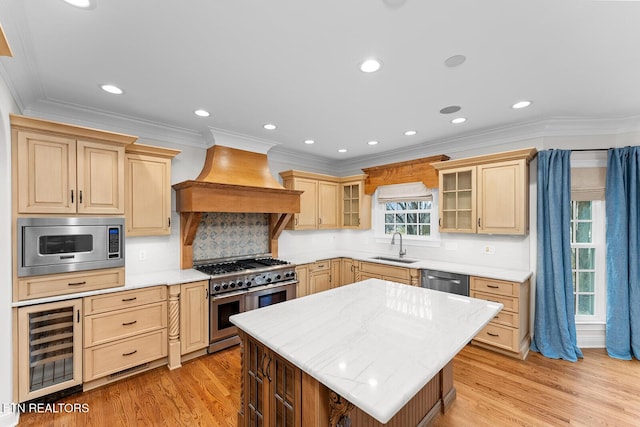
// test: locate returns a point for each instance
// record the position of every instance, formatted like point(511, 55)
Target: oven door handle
point(272, 286)
point(226, 295)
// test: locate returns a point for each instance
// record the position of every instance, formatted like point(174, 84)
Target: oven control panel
point(240, 282)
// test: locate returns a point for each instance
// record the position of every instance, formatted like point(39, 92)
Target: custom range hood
point(233, 180)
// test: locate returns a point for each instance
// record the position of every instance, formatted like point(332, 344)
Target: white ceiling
point(295, 63)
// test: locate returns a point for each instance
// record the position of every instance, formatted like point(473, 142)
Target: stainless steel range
point(243, 283)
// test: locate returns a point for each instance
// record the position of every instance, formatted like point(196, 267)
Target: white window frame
point(432, 240)
point(598, 215)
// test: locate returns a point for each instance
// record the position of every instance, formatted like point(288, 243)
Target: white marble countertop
point(375, 343)
point(131, 281)
point(472, 270)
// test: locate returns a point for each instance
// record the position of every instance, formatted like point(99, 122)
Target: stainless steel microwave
point(64, 244)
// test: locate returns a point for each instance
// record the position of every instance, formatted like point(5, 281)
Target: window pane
point(584, 210)
point(401, 229)
point(423, 218)
point(583, 232)
point(391, 206)
point(412, 205)
point(389, 228)
point(573, 258)
point(586, 280)
point(586, 258)
point(402, 206)
point(585, 305)
point(574, 282)
point(388, 218)
point(412, 218)
point(424, 205)
point(401, 218)
point(412, 230)
point(425, 230)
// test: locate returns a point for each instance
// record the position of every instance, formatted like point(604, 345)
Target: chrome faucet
point(402, 252)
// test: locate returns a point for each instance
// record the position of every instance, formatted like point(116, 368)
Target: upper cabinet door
point(46, 173)
point(458, 200)
point(148, 195)
point(307, 218)
point(100, 178)
point(502, 197)
point(327, 205)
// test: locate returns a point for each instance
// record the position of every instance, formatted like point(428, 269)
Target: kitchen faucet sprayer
point(402, 252)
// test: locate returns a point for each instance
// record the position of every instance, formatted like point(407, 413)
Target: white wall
point(7, 105)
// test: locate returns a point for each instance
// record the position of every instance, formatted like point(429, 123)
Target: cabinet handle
point(80, 196)
point(493, 335)
point(169, 221)
point(352, 268)
point(439, 222)
point(206, 293)
point(130, 323)
point(129, 299)
point(130, 353)
point(71, 196)
point(296, 221)
point(319, 221)
point(493, 286)
point(479, 222)
point(78, 316)
point(77, 283)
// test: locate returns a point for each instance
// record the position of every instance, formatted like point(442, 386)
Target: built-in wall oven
point(243, 283)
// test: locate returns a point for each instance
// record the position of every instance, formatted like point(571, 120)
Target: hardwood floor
point(493, 390)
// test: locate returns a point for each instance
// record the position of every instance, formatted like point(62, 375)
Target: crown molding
point(239, 141)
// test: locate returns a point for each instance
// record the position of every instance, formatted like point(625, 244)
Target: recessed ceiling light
point(410, 132)
point(455, 60)
point(85, 4)
point(309, 141)
point(112, 89)
point(458, 120)
point(450, 109)
point(202, 113)
point(342, 150)
point(521, 104)
point(269, 126)
point(370, 66)
point(372, 142)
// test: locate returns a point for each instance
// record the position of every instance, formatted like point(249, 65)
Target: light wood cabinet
point(509, 331)
point(320, 276)
point(49, 347)
point(329, 202)
point(486, 194)
point(194, 316)
point(124, 333)
point(347, 271)
point(355, 204)
point(272, 388)
point(318, 202)
point(68, 283)
point(302, 274)
point(65, 169)
point(372, 270)
point(148, 190)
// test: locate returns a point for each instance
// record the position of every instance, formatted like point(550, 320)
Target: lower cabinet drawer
point(509, 303)
point(500, 336)
point(69, 283)
point(107, 359)
point(507, 318)
point(114, 325)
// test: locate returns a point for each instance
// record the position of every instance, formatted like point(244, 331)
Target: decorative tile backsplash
point(226, 234)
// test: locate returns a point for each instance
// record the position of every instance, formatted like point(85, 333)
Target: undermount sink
point(402, 260)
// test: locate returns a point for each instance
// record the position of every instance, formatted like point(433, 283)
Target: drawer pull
point(130, 353)
point(129, 299)
point(130, 323)
point(77, 283)
point(493, 335)
point(493, 286)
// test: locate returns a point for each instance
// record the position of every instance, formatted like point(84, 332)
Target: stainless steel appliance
point(243, 283)
point(446, 282)
point(59, 245)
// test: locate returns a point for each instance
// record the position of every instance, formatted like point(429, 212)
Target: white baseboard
point(590, 335)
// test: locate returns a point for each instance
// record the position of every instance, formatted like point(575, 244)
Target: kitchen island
point(371, 353)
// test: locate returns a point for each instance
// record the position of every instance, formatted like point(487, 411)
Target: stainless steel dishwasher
point(445, 281)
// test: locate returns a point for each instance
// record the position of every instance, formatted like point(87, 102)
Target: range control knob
point(232, 285)
point(216, 288)
point(248, 283)
point(269, 280)
point(224, 285)
point(278, 277)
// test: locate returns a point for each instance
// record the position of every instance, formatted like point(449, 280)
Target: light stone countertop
point(472, 270)
point(375, 343)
